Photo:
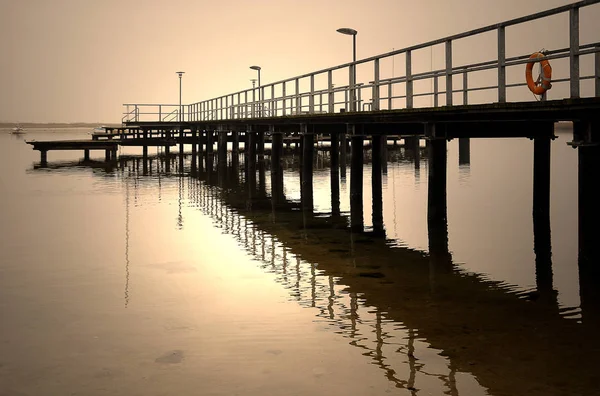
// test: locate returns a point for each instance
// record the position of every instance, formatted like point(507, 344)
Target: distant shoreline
point(55, 125)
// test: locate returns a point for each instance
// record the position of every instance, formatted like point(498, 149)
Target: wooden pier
point(321, 105)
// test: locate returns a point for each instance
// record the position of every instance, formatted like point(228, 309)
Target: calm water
point(113, 282)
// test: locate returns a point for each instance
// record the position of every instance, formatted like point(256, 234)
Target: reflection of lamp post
point(353, 33)
point(257, 68)
point(180, 115)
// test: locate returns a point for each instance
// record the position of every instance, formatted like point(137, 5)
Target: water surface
point(116, 281)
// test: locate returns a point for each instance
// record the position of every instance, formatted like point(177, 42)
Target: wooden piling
point(356, 184)
point(335, 174)
point(377, 185)
point(306, 190)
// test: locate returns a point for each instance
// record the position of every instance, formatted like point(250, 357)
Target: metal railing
point(315, 92)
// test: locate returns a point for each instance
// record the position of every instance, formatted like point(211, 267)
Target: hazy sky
point(80, 60)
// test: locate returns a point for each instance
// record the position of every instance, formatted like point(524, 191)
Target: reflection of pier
point(507, 341)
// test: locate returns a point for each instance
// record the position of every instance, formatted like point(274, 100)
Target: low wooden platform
point(49, 145)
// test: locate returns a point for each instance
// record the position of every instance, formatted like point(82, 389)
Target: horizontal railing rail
point(326, 91)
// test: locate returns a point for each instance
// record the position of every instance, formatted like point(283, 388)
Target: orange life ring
point(543, 82)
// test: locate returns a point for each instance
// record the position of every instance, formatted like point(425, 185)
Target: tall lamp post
point(180, 108)
point(353, 33)
point(257, 68)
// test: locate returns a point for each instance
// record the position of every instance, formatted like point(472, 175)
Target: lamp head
point(255, 67)
point(180, 73)
point(348, 31)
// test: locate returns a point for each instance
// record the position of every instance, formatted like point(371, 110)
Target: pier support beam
point(107, 155)
point(356, 185)
point(437, 220)
point(308, 142)
point(222, 148)
point(235, 142)
point(376, 185)
point(86, 155)
point(209, 142)
point(464, 151)
point(260, 144)
point(277, 194)
point(541, 216)
point(44, 157)
point(589, 219)
point(194, 152)
point(335, 174)
point(251, 165)
point(384, 154)
point(145, 159)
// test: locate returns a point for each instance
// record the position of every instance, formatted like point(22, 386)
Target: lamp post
point(180, 115)
point(353, 33)
point(257, 68)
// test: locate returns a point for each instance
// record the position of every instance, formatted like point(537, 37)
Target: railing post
point(449, 73)
point(574, 51)
point(330, 95)
point(375, 99)
point(283, 109)
point(352, 92)
point(298, 98)
point(501, 65)
point(311, 98)
point(273, 103)
point(137, 114)
point(390, 93)
point(465, 88)
point(409, 82)
point(159, 113)
point(253, 111)
point(358, 99)
point(597, 73)
point(261, 99)
point(435, 90)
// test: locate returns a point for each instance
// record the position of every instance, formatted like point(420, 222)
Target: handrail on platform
point(310, 94)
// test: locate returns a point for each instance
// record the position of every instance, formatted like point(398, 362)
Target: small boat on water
point(99, 129)
point(17, 130)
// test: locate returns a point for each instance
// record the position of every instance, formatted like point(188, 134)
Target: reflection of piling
point(335, 174)
point(356, 184)
point(376, 184)
point(308, 141)
point(464, 151)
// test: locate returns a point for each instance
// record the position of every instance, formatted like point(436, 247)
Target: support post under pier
point(308, 143)
point(437, 220)
point(376, 185)
point(356, 184)
point(335, 174)
point(541, 217)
